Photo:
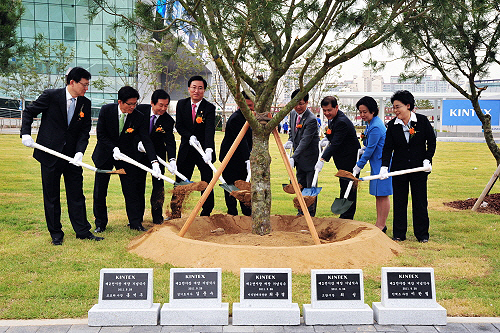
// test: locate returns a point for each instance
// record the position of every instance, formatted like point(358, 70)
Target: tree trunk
point(260, 161)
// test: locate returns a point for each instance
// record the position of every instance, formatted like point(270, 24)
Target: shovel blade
point(311, 191)
point(187, 182)
point(340, 205)
point(229, 188)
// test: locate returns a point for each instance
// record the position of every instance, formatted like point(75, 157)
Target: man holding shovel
point(161, 131)
point(238, 167)
point(120, 127)
point(304, 139)
point(65, 127)
point(343, 147)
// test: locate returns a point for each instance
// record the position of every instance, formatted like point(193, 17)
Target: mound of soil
point(490, 204)
point(226, 241)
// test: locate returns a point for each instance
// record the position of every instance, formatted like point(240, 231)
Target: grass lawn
point(38, 280)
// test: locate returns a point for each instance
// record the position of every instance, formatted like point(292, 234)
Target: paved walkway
point(455, 325)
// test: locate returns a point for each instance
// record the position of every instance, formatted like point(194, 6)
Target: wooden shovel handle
point(296, 188)
point(216, 176)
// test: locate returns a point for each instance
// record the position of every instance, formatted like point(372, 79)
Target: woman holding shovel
point(411, 142)
point(373, 140)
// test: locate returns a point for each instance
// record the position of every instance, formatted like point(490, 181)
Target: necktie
point(71, 109)
point(193, 112)
point(121, 123)
point(151, 123)
point(298, 121)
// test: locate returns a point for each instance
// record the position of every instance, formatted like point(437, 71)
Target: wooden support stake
point(487, 189)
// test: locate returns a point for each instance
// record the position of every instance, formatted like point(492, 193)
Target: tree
point(43, 66)
point(460, 39)
point(10, 16)
point(281, 34)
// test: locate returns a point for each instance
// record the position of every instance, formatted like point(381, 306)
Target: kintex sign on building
point(461, 112)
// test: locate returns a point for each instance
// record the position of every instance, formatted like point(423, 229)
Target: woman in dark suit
point(411, 141)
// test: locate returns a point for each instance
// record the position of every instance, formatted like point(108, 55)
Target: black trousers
point(400, 187)
point(132, 184)
point(232, 173)
point(349, 214)
point(186, 167)
point(73, 182)
point(305, 178)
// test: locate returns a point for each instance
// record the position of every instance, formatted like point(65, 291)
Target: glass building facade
point(66, 21)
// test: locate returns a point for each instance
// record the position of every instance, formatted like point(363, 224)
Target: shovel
point(287, 156)
point(224, 185)
point(185, 181)
point(314, 191)
point(69, 159)
point(341, 205)
point(127, 159)
point(350, 176)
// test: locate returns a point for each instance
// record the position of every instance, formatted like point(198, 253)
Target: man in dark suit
point(343, 147)
point(65, 127)
point(238, 166)
point(304, 139)
point(195, 122)
point(161, 131)
point(119, 128)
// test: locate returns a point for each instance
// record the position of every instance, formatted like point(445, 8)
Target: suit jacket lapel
point(63, 105)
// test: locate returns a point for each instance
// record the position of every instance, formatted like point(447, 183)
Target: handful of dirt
point(308, 199)
point(289, 188)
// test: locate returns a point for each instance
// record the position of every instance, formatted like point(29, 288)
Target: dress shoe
point(397, 239)
point(99, 229)
point(91, 237)
point(423, 240)
point(158, 221)
point(138, 228)
point(384, 230)
point(57, 241)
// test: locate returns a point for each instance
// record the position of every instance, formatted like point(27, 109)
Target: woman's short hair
point(370, 103)
point(405, 97)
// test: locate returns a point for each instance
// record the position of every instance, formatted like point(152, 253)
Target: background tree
point(10, 17)
point(459, 39)
point(282, 33)
point(42, 66)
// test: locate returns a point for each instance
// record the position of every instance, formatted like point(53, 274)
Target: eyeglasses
point(301, 103)
point(131, 104)
point(86, 85)
point(197, 88)
point(397, 107)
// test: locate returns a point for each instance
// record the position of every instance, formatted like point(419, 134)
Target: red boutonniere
point(129, 130)
point(328, 131)
point(199, 119)
point(412, 131)
point(298, 126)
point(81, 114)
point(364, 136)
point(159, 129)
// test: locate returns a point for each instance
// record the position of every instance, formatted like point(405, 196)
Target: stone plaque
point(409, 285)
point(330, 287)
point(265, 285)
point(125, 286)
point(192, 285)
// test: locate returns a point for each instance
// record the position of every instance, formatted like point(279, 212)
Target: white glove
point(324, 142)
point(292, 162)
point(249, 170)
point(77, 159)
point(383, 173)
point(356, 170)
point(140, 147)
point(27, 140)
point(288, 145)
point(193, 141)
point(116, 153)
point(172, 167)
point(208, 155)
point(427, 164)
point(319, 165)
point(363, 150)
point(156, 170)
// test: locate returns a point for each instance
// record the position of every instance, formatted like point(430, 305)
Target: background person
point(195, 121)
point(411, 142)
point(161, 132)
point(373, 140)
point(65, 127)
point(304, 139)
point(119, 127)
point(343, 148)
point(238, 166)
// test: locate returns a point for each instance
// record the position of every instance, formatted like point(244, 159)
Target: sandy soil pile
point(226, 241)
